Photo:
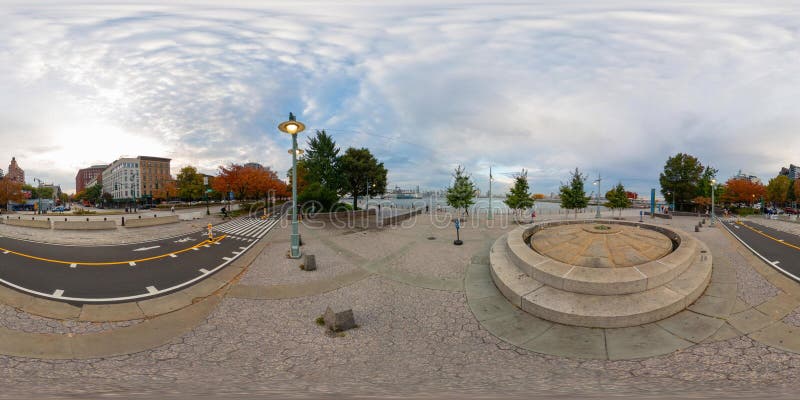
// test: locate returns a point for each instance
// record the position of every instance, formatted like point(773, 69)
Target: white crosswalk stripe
point(247, 228)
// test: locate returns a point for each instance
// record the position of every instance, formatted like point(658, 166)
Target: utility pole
point(490, 217)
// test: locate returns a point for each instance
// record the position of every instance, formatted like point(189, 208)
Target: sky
point(609, 87)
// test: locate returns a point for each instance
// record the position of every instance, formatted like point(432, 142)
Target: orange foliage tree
point(248, 182)
point(742, 191)
point(10, 191)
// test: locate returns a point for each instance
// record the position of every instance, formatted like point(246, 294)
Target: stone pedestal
point(339, 321)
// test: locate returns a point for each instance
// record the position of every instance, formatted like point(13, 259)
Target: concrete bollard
point(339, 321)
point(123, 221)
point(697, 228)
point(309, 263)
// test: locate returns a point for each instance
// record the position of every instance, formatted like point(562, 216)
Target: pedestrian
point(426, 209)
point(172, 209)
point(533, 215)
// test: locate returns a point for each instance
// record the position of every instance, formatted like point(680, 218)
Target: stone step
point(602, 311)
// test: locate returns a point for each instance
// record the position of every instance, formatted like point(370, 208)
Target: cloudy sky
point(607, 86)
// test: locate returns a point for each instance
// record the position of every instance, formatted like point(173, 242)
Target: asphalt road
point(780, 249)
point(107, 274)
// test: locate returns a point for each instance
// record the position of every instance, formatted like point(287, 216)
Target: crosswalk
point(247, 229)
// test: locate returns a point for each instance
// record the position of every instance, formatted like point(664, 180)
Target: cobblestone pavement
point(410, 340)
point(15, 319)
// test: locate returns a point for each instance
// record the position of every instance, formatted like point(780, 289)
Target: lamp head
point(292, 126)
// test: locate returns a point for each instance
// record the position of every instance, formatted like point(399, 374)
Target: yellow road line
point(94, 264)
point(768, 236)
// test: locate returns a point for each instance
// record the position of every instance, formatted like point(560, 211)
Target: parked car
point(790, 210)
point(59, 209)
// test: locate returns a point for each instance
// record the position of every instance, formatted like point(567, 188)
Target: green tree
point(359, 168)
point(680, 181)
point(321, 161)
point(778, 189)
point(317, 198)
point(704, 186)
point(518, 197)
point(462, 193)
point(92, 193)
point(573, 195)
point(190, 184)
point(617, 199)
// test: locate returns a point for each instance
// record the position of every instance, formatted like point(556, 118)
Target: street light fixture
point(598, 182)
point(713, 183)
point(293, 127)
point(490, 217)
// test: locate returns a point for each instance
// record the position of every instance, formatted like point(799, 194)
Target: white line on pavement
point(73, 265)
point(173, 256)
point(152, 289)
point(203, 270)
point(58, 293)
point(132, 264)
point(226, 258)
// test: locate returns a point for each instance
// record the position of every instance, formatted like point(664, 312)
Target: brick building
point(87, 175)
point(15, 173)
point(154, 172)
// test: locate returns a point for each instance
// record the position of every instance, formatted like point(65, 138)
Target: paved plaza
point(414, 297)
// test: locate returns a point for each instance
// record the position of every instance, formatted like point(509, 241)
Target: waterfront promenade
point(417, 332)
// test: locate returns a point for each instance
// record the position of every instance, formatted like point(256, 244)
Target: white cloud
point(609, 85)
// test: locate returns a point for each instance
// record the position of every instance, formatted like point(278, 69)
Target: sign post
point(458, 241)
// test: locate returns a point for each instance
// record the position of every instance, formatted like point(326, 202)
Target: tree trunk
point(355, 201)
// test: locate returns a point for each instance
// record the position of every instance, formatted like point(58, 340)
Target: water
point(481, 205)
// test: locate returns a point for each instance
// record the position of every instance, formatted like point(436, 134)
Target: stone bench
point(28, 223)
point(143, 222)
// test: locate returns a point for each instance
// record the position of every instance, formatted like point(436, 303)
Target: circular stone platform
point(631, 274)
point(601, 245)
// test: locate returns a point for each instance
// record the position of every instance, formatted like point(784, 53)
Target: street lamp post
point(293, 127)
point(490, 217)
point(713, 183)
point(205, 191)
point(598, 182)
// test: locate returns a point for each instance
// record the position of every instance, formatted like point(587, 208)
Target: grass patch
point(320, 320)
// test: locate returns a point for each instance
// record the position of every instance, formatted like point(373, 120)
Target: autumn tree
point(778, 189)
point(10, 191)
point(742, 191)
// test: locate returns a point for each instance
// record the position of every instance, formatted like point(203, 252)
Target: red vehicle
point(790, 210)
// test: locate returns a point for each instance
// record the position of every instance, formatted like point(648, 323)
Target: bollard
point(123, 221)
point(87, 219)
point(105, 219)
point(65, 220)
point(697, 228)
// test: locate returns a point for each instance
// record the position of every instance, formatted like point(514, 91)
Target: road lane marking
point(195, 249)
point(204, 271)
point(242, 248)
point(146, 248)
point(73, 265)
point(217, 239)
point(768, 236)
point(132, 264)
point(776, 262)
point(152, 289)
point(58, 293)
point(226, 258)
point(173, 256)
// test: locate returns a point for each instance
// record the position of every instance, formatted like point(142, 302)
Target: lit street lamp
point(293, 127)
point(713, 183)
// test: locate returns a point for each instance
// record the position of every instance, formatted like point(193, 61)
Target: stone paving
point(416, 336)
point(19, 320)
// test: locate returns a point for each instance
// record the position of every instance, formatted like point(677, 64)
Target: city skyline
point(613, 87)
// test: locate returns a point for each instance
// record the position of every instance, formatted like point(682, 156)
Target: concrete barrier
point(362, 219)
point(190, 216)
point(84, 225)
point(28, 223)
point(139, 223)
point(393, 220)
